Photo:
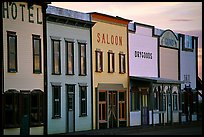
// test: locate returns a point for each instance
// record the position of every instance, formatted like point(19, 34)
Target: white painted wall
point(24, 29)
point(142, 40)
point(135, 118)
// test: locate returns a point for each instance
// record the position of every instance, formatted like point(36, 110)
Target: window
point(175, 101)
point(102, 106)
point(122, 63)
point(36, 112)
point(187, 42)
point(56, 57)
point(70, 94)
point(99, 61)
point(135, 99)
point(70, 57)
point(83, 100)
point(56, 97)
point(122, 106)
point(82, 59)
point(12, 51)
point(36, 54)
point(11, 109)
point(111, 63)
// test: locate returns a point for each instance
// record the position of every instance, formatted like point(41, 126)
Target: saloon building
point(69, 70)
point(110, 71)
point(22, 68)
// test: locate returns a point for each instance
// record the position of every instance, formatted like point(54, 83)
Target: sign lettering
point(109, 39)
point(10, 10)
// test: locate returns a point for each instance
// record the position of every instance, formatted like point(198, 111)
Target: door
point(144, 104)
point(112, 109)
point(70, 108)
point(169, 107)
point(25, 113)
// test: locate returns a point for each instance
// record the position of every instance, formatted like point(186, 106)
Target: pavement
point(136, 129)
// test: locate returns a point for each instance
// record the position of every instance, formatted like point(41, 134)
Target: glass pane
point(12, 52)
point(36, 46)
point(102, 96)
point(56, 57)
point(37, 63)
point(121, 96)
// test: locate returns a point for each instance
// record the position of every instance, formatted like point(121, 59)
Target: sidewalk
point(138, 129)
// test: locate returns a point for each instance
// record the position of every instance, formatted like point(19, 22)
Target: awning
point(157, 80)
point(107, 86)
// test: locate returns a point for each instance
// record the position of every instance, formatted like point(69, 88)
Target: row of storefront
point(66, 71)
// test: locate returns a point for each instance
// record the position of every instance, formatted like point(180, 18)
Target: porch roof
point(157, 80)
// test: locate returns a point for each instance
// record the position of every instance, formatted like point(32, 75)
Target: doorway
point(144, 105)
point(112, 109)
point(70, 108)
point(25, 112)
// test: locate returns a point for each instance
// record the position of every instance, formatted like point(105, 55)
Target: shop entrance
point(70, 108)
point(169, 107)
point(112, 109)
point(25, 112)
point(144, 105)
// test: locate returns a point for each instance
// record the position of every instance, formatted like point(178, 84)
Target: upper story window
point(99, 60)
point(122, 68)
point(70, 57)
point(111, 62)
point(36, 54)
point(186, 42)
point(56, 65)
point(12, 51)
point(82, 59)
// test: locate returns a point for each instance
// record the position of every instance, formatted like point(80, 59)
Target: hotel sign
point(169, 39)
point(14, 10)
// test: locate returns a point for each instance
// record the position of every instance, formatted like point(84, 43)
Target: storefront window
point(135, 100)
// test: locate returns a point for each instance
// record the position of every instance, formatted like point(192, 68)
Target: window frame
point(84, 59)
point(122, 65)
point(15, 69)
point(111, 62)
point(67, 57)
point(183, 39)
point(53, 58)
point(99, 61)
point(36, 71)
point(81, 113)
point(54, 104)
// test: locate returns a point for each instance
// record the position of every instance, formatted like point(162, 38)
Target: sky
point(181, 17)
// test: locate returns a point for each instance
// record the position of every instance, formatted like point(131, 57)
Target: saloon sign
point(109, 39)
point(169, 39)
